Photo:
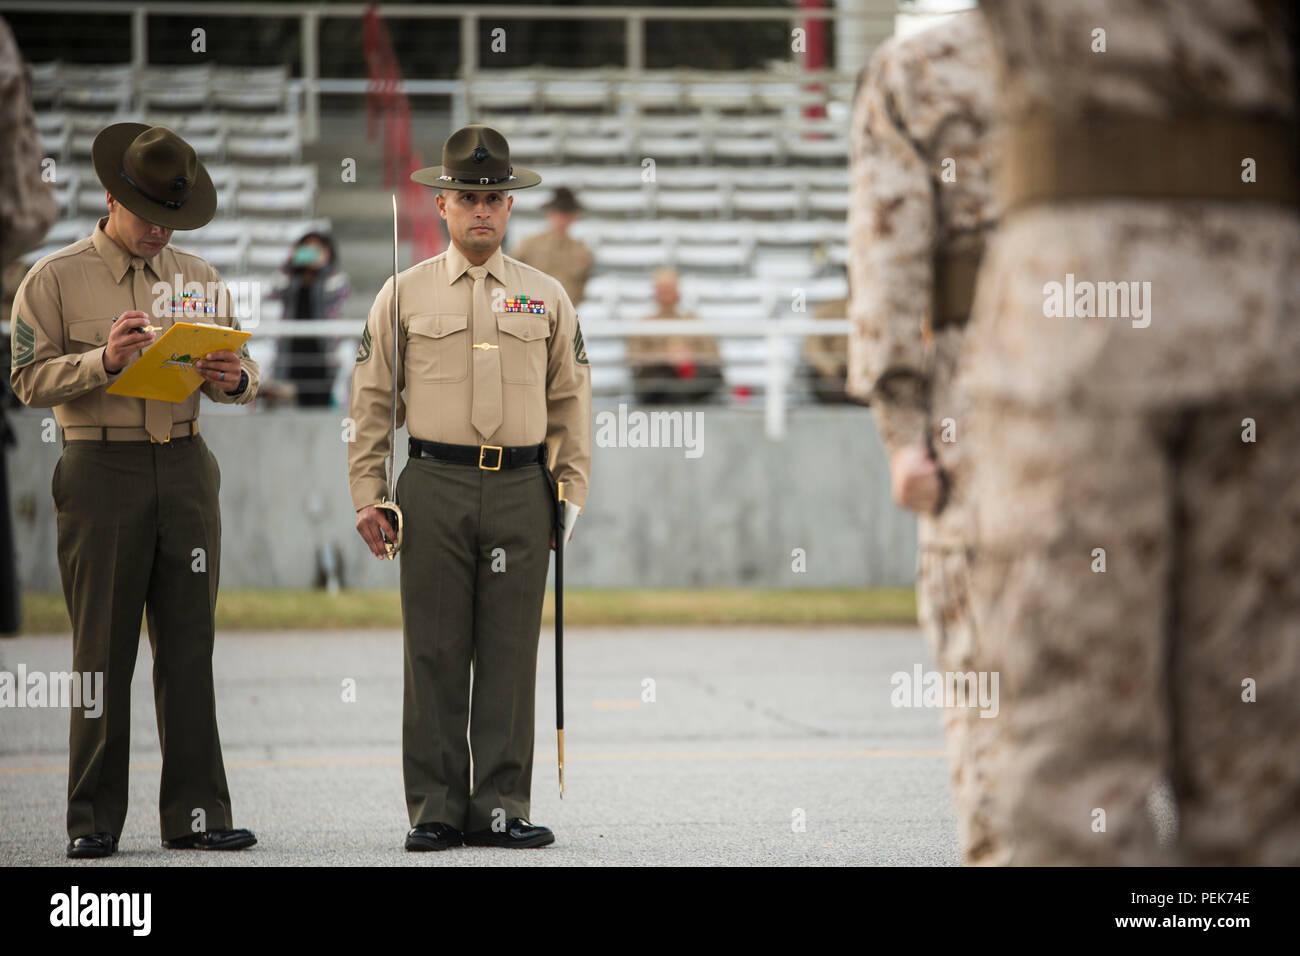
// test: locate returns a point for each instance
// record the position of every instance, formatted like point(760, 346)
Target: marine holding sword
point(135, 490)
point(482, 357)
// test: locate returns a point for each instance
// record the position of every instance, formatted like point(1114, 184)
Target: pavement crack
point(759, 708)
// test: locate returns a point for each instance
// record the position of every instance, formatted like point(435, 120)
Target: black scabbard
point(557, 523)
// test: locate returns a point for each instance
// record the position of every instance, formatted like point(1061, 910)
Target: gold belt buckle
point(482, 449)
point(161, 441)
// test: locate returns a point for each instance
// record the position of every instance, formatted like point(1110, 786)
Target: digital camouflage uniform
point(1121, 438)
point(922, 202)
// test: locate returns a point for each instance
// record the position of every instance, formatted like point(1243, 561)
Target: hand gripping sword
point(389, 504)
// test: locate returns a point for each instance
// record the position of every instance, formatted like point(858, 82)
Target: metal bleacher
point(243, 124)
point(739, 182)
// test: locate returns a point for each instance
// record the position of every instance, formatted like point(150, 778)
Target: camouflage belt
point(1132, 157)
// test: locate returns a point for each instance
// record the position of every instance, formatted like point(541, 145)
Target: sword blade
point(392, 431)
point(559, 631)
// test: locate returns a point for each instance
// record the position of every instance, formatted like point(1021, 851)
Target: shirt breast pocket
point(523, 346)
point(85, 334)
point(437, 347)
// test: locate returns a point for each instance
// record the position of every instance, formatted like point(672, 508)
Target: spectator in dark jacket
point(310, 285)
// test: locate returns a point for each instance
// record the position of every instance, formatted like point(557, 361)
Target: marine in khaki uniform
point(1139, 507)
point(135, 490)
point(495, 391)
point(922, 204)
point(673, 368)
point(557, 253)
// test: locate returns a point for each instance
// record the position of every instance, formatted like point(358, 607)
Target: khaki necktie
point(157, 415)
point(485, 413)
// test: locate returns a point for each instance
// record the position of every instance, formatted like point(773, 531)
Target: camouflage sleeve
point(27, 205)
point(891, 241)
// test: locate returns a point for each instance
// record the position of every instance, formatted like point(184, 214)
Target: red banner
point(389, 110)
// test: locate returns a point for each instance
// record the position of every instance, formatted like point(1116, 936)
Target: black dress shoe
point(213, 840)
point(91, 846)
point(433, 836)
point(519, 834)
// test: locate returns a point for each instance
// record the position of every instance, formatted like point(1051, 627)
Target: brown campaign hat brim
point(520, 179)
point(111, 145)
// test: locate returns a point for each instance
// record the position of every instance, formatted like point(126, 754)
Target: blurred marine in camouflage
point(921, 204)
point(27, 210)
point(1135, 367)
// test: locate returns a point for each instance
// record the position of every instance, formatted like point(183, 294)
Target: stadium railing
point(874, 23)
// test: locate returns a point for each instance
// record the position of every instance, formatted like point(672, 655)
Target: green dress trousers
point(474, 562)
point(139, 531)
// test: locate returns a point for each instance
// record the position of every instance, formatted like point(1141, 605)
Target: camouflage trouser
point(1175, 667)
point(943, 605)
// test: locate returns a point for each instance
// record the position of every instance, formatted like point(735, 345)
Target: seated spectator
point(673, 368)
point(828, 356)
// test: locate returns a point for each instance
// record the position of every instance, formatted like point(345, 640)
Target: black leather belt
point(487, 457)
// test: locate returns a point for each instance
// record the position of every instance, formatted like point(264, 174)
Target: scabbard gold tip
point(559, 740)
point(560, 491)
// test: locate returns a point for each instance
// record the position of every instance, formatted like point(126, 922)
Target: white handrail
point(773, 331)
point(593, 329)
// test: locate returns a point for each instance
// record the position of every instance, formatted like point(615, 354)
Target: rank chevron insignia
point(363, 350)
point(579, 349)
point(25, 343)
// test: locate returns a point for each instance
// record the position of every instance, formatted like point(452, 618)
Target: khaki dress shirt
point(62, 315)
point(545, 378)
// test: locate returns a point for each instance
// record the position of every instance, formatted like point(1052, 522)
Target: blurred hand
point(914, 479)
point(372, 525)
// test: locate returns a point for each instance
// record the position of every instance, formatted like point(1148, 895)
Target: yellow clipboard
point(166, 370)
